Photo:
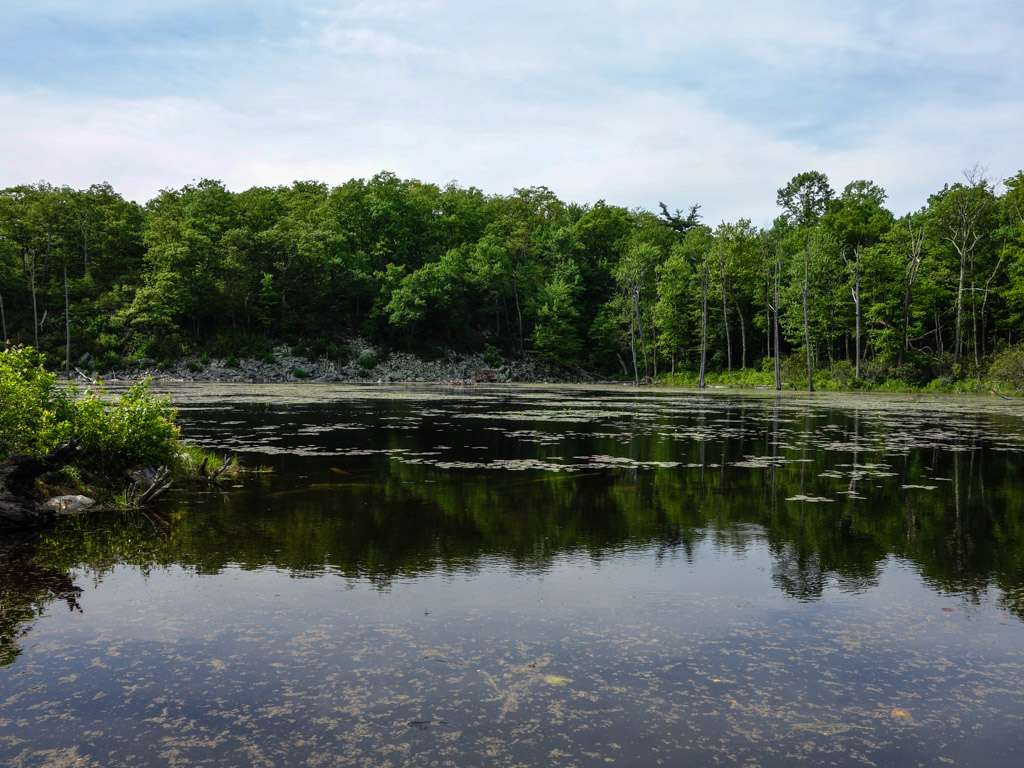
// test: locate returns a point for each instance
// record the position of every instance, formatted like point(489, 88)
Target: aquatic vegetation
point(712, 578)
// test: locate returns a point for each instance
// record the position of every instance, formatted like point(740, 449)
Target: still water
point(539, 576)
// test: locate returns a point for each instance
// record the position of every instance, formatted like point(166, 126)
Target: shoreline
point(396, 368)
point(454, 369)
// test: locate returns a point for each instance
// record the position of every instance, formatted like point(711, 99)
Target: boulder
point(68, 505)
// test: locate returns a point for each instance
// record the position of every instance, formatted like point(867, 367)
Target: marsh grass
point(194, 462)
point(837, 381)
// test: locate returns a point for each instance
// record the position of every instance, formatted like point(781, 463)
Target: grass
point(195, 462)
point(824, 381)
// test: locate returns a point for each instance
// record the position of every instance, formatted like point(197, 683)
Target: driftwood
point(204, 472)
point(147, 486)
point(20, 502)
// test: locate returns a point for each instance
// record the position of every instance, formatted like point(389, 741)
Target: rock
point(367, 365)
point(68, 505)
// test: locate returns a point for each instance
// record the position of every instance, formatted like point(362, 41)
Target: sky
point(629, 102)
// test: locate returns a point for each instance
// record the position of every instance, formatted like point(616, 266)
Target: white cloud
point(630, 102)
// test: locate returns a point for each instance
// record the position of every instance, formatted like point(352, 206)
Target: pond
point(539, 576)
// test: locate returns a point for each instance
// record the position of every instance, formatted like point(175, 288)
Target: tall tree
point(858, 220)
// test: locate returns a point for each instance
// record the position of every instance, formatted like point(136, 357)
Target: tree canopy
point(417, 266)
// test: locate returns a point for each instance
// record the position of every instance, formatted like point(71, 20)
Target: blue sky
point(632, 102)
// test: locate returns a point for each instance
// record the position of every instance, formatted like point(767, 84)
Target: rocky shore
point(362, 369)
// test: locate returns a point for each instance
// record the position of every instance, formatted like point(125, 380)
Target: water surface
point(539, 576)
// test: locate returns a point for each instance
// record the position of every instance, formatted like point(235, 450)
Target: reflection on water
point(532, 576)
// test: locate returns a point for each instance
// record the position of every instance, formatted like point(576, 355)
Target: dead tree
point(912, 267)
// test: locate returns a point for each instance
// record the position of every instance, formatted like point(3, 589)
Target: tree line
point(837, 284)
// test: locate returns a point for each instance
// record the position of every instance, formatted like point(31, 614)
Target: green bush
point(367, 359)
point(300, 373)
point(492, 356)
point(136, 429)
point(37, 414)
point(1007, 367)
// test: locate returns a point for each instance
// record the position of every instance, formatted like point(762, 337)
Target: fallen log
point(21, 504)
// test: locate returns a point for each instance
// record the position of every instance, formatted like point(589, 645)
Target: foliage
point(35, 413)
point(115, 433)
point(135, 429)
point(404, 264)
point(1007, 367)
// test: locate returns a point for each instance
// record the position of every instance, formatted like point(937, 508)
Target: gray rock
point(68, 505)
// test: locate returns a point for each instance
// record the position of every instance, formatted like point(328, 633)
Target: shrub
point(492, 356)
point(367, 359)
point(136, 429)
point(37, 414)
point(109, 361)
point(1007, 367)
point(300, 373)
point(843, 373)
point(794, 370)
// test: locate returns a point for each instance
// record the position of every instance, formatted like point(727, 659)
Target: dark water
point(539, 577)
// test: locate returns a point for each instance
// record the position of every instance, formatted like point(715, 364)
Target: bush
point(367, 359)
point(794, 370)
point(136, 429)
point(1007, 367)
point(37, 414)
point(492, 356)
point(843, 373)
point(300, 373)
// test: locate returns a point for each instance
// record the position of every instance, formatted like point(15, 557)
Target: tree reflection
point(381, 519)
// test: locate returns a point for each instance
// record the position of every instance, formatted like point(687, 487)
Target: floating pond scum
point(539, 576)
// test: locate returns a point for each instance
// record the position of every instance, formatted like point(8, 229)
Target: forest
point(838, 291)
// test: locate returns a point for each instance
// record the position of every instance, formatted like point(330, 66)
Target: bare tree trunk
point(67, 326)
point(640, 329)
point(856, 302)
point(3, 318)
point(916, 241)
point(854, 267)
point(775, 328)
point(632, 348)
point(959, 311)
point(807, 324)
point(974, 317)
point(984, 296)
point(519, 316)
point(962, 234)
point(703, 325)
point(743, 337)
point(35, 309)
point(725, 310)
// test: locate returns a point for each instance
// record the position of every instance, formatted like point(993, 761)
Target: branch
point(678, 221)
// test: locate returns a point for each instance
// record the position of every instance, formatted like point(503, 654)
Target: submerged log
point(21, 505)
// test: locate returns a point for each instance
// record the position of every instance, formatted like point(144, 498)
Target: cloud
point(633, 102)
